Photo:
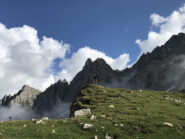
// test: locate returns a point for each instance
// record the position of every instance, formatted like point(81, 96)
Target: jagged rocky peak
point(5, 100)
point(58, 84)
point(175, 46)
point(176, 39)
point(51, 96)
point(27, 89)
point(25, 96)
point(6, 97)
point(88, 62)
point(99, 63)
point(64, 81)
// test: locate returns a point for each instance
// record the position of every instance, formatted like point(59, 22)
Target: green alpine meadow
point(114, 113)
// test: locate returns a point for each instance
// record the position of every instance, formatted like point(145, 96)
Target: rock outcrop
point(82, 112)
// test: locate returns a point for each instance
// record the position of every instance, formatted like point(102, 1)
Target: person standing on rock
point(95, 79)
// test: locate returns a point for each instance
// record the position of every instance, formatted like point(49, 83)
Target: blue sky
point(42, 41)
point(111, 26)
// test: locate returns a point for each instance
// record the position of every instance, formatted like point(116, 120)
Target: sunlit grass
point(136, 114)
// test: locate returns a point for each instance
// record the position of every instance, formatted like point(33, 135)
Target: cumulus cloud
point(74, 64)
point(157, 19)
point(24, 59)
point(168, 26)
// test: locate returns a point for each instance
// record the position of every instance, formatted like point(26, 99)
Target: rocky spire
point(98, 64)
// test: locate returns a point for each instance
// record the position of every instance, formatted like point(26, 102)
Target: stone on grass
point(82, 112)
point(121, 125)
point(107, 136)
point(24, 125)
point(180, 127)
point(39, 121)
point(168, 124)
point(45, 118)
point(103, 116)
point(93, 117)
point(87, 126)
point(111, 106)
point(95, 137)
point(34, 120)
point(53, 131)
point(166, 97)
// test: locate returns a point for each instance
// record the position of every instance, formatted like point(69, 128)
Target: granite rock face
point(25, 96)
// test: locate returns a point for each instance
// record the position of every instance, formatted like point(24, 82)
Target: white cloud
point(74, 64)
point(157, 19)
point(24, 59)
point(168, 26)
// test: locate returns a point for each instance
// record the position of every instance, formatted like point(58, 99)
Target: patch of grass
point(136, 114)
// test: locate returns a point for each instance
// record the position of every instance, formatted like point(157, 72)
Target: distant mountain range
point(162, 69)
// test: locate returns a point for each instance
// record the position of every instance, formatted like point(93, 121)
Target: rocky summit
point(26, 96)
point(162, 69)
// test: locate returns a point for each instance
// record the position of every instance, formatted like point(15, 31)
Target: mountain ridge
point(162, 69)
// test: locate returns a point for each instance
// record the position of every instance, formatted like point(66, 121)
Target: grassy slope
point(141, 113)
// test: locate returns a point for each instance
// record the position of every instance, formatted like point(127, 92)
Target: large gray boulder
point(82, 112)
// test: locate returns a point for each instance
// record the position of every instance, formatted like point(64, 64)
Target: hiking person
point(95, 79)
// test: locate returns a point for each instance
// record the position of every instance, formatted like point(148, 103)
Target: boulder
point(107, 136)
point(45, 118)
point(111, 106)
point(87, 126)
point(103, 116)
point(53, 131)
point(93, 117)
point(168, 124)
point(39, 121)
point(121, 125)
point(82, 112)
point(95, 137)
